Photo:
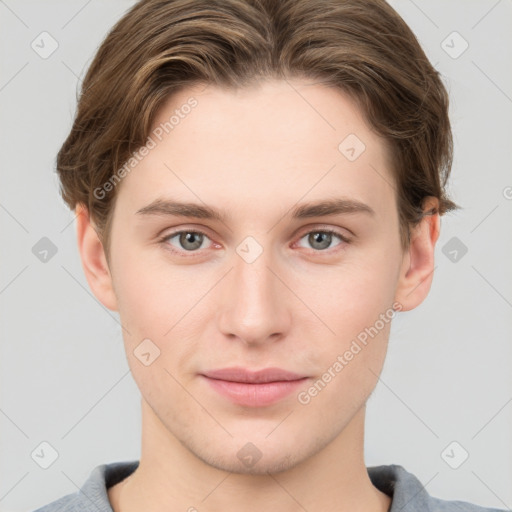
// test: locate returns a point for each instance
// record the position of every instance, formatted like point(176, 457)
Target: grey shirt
point(406, 491)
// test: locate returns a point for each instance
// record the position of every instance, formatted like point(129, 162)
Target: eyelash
point(165, 239)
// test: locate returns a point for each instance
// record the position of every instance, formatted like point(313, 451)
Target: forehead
point(279, 139)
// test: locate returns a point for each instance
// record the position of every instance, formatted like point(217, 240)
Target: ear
point(94, 261)
point(417, 269)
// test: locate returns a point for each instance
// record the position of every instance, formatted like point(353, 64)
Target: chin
point(266, 464)
point(260, 456)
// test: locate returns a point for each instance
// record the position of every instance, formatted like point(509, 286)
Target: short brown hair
point(362, 47)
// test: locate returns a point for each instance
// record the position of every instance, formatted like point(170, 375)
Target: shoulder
point(409, 494)
point(93, 496)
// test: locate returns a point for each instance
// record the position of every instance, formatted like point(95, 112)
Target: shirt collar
point(406, 491)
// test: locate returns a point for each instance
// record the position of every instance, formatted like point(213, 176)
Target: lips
point(251, 388)
point(238, 374)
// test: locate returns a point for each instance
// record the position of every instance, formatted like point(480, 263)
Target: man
point(258, 184)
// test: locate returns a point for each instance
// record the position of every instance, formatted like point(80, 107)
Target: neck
point(170, 476)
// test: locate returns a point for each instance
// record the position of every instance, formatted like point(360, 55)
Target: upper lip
point(239, 374)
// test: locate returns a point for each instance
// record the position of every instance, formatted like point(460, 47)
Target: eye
point(188, 241)
point(321, 239)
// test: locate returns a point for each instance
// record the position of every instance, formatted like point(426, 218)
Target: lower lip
point(255, 395)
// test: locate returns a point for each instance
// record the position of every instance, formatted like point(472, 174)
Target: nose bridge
point(253, 277)
point(254, 308)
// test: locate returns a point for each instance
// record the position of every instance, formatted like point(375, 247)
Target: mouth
point(253, 388)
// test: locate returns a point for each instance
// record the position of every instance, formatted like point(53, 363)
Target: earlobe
point(417, 269)
point(93, 258)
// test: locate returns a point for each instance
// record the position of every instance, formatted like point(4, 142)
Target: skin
point(256, 153)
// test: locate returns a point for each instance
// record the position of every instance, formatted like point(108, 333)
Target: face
point(275, 280)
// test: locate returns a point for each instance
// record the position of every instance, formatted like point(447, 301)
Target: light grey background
point(64, 376)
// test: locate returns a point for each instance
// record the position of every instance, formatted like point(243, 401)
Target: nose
point(255, 303)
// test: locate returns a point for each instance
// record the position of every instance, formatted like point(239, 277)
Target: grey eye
point(188, 240)
point(321, 240)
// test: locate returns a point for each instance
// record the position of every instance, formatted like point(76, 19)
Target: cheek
point(149, 296)
point(353, 295)
point(349, 364)
point(162, 304)
point(152, 308)
point(356, 303)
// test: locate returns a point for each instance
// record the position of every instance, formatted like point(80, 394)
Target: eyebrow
point(165, 207)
